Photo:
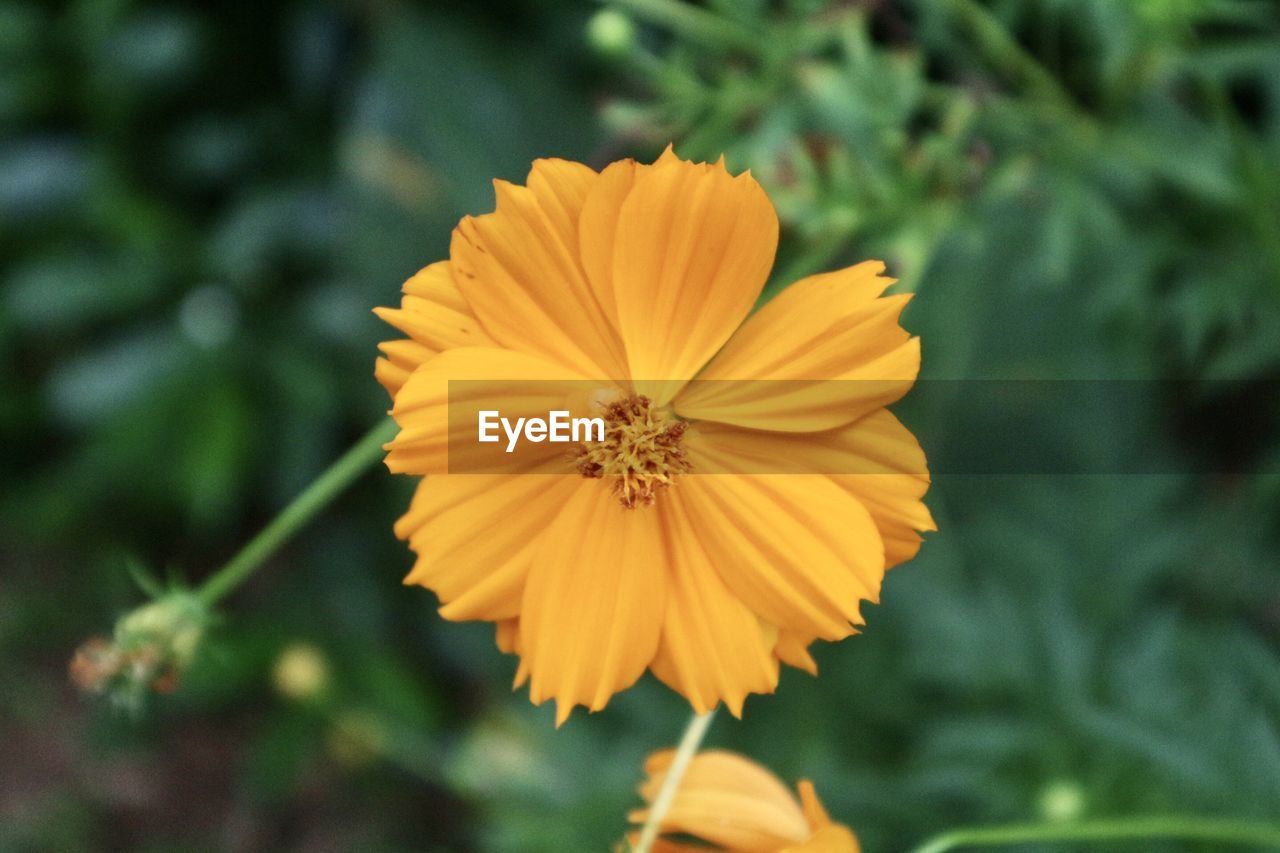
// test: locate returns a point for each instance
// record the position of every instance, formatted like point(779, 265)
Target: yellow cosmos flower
point(620, 557)
point(726, 802)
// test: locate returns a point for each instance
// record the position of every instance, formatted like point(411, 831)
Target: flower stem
point(998, 45)
point(1222, 831)
point(342, 473)
point(689, 743)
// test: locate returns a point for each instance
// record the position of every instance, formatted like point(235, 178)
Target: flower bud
point(150, 649)
point(301, 672)
point(610, 33)
point(1061, 800)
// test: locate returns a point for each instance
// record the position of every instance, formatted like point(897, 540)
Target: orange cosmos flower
point(727, 802)
point(599, 564)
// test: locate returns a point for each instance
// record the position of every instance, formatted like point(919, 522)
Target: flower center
point(641, 451)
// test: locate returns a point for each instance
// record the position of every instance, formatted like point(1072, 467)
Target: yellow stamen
point(641, 451)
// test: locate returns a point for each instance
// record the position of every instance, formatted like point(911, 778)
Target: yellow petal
point(798, 550)
point(831, 839)
point(520, 271)
point(693, 246)
point(476, 567)
point(726, 800)
point(875, 459)
point(713, 647)
point(400, 358)
point(594, 602)
point(437, 412)
point(435, 317)
point(825, 352)
point(793, 650)
point(598, 229)
point(506, 636)
point(814, 812)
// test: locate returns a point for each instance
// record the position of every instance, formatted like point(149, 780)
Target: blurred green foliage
point(200, 204)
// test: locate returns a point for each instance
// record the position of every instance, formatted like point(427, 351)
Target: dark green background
point(199, 204)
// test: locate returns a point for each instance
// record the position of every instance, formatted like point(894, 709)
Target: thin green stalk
point(693, 22)
point(342, 473)
point(689, 743)
point(1171, 828)
point(1000, 47)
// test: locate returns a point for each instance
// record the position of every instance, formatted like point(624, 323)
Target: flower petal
point(593, 606)
point(520, 271)
point(726, 800)
point(798, 550)
point(830, 839)
point(598, 229)
point(814, 812)
point(824, 352)
point(437, 412)
point(400, 358)
point(476, 567)
point(434, 315)
point(693, 246)
point(713, 647)
point(793, 650)
point(875, 459)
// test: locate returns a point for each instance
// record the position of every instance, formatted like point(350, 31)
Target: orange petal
point(830, 839)
point(875, 459)
point(713, 647)
point(727, 800)
point(594, 602)
point(797, 549)
point(436, 410)
point(520, 271)
point(400, 358)
point(793, 650)
point(814, 811)
point(476, 567)
point(693, 246)
point(824, 352)
point(506, 635)
point(598, 229)
point(434, 316)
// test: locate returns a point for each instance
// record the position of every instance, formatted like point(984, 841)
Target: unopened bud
point(150, 649)
point(610, 32)
point(1061, 800)
point(301, 672)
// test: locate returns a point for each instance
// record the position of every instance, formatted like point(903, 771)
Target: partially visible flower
point(150, 649)
point(729, 803)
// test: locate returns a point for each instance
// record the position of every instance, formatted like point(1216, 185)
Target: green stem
point(689, 743)
point(342, 473)
point(1173, 828)
point(692, 22)
point(1000, 47)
